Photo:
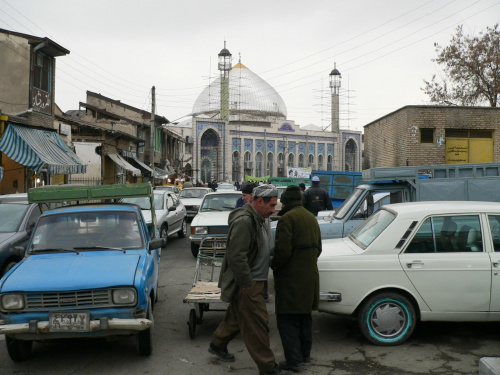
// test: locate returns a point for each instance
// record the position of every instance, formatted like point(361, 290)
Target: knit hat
point(264, 191)
point(292, 193)
point(247, 187)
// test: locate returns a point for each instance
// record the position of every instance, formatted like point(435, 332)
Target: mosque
point(239, 127)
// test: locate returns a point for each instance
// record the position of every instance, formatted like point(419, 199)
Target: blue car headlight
point(12, 302)
point(124, 296)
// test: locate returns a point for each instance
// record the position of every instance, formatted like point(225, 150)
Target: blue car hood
point(71, 271)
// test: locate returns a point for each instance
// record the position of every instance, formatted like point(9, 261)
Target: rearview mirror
point(172, 208)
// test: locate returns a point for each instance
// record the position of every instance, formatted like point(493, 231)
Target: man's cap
point(302, 186)
point(247, 187)
point(264, 191)
point(292, 193)
point(315, 179)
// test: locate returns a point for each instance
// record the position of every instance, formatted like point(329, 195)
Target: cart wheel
point(192, 323)
point(201, 309)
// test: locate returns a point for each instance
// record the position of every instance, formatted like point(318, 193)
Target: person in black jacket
point(316, 199)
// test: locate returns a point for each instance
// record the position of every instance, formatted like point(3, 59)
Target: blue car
point(88, 271)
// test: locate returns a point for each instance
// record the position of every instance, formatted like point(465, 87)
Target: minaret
point(225, 68)
point(335, 78)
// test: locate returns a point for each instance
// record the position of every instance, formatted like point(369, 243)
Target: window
point(329, 163)
point(42, 72)
point(301, 161)
point(320, 162)
point(495, 231)
point(290, 160)
point(444, 234)
point(426, 135)
point(371, 228)
point(270, 164)
point(258, 165)
point(311, 160)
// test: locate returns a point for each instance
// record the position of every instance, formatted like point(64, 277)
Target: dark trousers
point(296, 336)
point(247, 313)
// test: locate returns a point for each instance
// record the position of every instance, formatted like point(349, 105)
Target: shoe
point(276, 371)
point(295, 368)
point(223, 354)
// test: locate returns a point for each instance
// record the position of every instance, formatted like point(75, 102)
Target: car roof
point(197, 188)
point(225, 192)
point(443, 207)
point(98, 207)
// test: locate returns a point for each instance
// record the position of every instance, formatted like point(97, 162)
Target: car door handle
point(495, 264)
point(415, 264)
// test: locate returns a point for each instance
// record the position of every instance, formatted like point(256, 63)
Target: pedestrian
point(246, 194)
point(296, 277)
point(237, 185)
point(244, 270)
point(302, 187)
point(316, 199)
point(187, 183)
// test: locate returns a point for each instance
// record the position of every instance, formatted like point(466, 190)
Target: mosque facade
point(239, 127)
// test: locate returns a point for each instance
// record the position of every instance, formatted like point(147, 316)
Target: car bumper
point(100, 327)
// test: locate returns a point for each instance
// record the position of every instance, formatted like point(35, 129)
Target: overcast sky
point(121, 48)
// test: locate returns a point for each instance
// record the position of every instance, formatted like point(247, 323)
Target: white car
point(427, 261)
point(170, 213)
point(212, 217)
point(223, 186)
point(191, 199)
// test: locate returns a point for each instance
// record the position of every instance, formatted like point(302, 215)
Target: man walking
point(296, 277)
point(244, 272)
point(316, 199)
point(246, 194)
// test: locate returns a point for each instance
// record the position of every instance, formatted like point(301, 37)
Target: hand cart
point(206, 276)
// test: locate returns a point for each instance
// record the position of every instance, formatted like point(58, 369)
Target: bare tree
point(472, 69)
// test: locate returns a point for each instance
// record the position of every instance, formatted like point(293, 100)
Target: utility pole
point(152, 137)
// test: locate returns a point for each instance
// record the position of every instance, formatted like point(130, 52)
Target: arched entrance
point(351, 155)
point(210, 154)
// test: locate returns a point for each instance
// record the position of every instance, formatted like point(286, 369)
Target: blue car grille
point(67, 300)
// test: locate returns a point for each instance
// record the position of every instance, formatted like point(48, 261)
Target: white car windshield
point(222, 202)
point(143, 202)
point(371, 228)
point(192, 193)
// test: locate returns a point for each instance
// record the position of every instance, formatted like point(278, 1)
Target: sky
point(121, 48)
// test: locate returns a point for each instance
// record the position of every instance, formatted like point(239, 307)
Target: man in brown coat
point(296, 277)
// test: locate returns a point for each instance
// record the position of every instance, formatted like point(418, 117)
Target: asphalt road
point(338, 347)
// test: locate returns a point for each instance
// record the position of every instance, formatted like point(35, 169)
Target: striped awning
point(37, 149)
point(124, 164)
point(144, 166)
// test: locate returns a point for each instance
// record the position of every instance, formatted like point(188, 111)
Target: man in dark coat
point(316, 199)
point(296, 277)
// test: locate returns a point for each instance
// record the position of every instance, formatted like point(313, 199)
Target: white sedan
point(427, 261)
point(211, 220)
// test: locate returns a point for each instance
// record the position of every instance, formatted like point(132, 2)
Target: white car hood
point(212, 218)
point(191, 201)
point(339, 247)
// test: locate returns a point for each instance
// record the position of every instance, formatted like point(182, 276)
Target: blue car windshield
point(87, 230)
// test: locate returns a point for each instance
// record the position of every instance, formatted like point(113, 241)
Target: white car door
point(447, 264)
point(494, 229)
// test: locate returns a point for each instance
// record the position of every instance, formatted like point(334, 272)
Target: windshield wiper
point(99, 248)
point(53, 250)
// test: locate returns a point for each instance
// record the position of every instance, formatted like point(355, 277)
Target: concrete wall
point(14, 74)
point(394, 140)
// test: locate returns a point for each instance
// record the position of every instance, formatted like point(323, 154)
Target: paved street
point(435, 348)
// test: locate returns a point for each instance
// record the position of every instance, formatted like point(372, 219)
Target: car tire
point(164, 234)
point(19, 350)
point(145, 338)
point(387, 319)
point(195, 249)
point(7, 266)
point(182, 232)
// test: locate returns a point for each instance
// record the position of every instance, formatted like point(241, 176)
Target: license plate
point(69, 321)
point(220, 244)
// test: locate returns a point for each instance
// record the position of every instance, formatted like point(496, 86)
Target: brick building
point(431, 135)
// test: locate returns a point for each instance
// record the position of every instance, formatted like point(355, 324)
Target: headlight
point(201, 230)
point(124, 296)
point(12, 302)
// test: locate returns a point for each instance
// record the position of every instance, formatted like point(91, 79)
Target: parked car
point(88, 271)
point(211, 220)
point(191, 199)
point(171, 188)
point(20, 197)
point(225, 186)
point(170, 213)
point(427, 261)
point(17, 220)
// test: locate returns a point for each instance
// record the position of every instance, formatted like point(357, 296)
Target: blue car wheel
point(387, 319)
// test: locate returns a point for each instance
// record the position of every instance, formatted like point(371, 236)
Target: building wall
point(394, 140)
point(14, 73)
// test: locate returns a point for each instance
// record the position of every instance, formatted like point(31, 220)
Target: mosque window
point(209, 139)
point(270, 164)
point(290, 160)
point(301, 161)
point(329, 163)
point(258, 165)
point(310, 162)
point(320, 162)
